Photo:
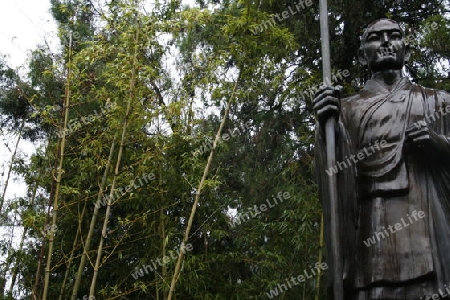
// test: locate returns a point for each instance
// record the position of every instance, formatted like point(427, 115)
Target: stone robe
point(385, 187)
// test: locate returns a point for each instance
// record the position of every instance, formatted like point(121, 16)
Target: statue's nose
point(385, 38)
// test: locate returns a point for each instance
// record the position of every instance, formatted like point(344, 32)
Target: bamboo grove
point(173, 146)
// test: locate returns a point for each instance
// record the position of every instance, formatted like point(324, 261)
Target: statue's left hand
point(422, 137)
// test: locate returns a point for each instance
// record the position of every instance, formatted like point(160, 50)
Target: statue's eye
point(373, 37)
point(396, 36)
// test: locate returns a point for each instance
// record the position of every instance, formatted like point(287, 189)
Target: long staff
point(330, 125)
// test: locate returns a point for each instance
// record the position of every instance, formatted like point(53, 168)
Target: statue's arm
point(444, 126)
point(424, 137)
point(432, 136)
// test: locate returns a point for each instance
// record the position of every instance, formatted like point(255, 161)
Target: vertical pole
point(330, 125)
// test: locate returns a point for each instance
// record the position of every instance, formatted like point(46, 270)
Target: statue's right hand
point(327, 103)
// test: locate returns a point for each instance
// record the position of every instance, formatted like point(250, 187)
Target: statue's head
point(383, 46)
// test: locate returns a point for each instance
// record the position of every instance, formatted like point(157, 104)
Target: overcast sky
point(23, 25)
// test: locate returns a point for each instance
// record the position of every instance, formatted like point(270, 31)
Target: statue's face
point(384, 47)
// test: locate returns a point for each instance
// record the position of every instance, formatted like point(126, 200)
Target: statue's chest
point(377, 119)
point(386, 123)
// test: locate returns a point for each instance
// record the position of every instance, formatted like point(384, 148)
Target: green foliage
point(187, 64)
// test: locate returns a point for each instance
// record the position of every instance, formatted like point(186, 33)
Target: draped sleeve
point(439, 166)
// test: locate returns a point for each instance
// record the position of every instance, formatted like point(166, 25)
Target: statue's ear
point(362, 57)
point(407, 53)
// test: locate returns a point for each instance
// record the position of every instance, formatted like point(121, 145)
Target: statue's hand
point(327, 103)
point(421, 137)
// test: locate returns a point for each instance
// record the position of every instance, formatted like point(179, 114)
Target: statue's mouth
point(386, 51)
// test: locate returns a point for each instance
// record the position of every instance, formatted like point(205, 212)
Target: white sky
point(23, 25)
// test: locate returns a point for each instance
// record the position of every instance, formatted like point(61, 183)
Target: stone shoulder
point(351, 98)
point(346, 103)
point(444, 94)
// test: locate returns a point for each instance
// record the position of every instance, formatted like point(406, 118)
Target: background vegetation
point(151, 87)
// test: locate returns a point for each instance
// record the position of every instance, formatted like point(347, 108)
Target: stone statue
point(393, 175)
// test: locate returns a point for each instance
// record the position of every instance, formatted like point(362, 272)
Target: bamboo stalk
point(66, 274)
point(87, 246)
point(15, 270)
point(177, 271)
point(2, 200)
point(116, 171)
point(59, 174)
point(73, 251)
point(34, 290)
point(13, 158)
